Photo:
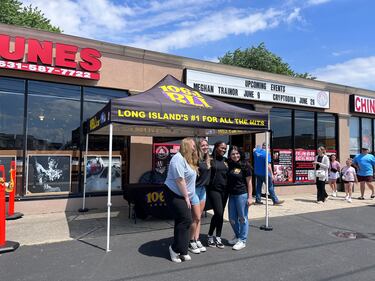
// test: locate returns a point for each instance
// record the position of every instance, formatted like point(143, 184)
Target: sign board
point(362, 104)
point(258, 90)
point(28, 54)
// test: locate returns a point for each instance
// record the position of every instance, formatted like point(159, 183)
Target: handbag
point(320, 173)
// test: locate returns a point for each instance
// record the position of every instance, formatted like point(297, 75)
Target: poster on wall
point(7, 165)
point(48, 173)
point(304, 167)
point(283, 166)
point(97, 173)
point(162, 155)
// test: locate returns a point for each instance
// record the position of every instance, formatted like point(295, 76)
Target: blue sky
point(331, 39)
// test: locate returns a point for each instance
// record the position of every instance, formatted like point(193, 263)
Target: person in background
point(334, 173)
point(199, 199)
point(179, 191)
point(349, 176)
point(364, 163)
point(217, 192)
point(321, 166)
point(260, 175)
point(240, 197)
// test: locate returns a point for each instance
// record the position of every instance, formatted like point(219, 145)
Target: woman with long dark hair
point(240, 196)
point(217, 193)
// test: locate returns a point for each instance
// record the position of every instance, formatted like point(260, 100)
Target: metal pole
point(109, 204)
point(85, 177)
point(267, 227)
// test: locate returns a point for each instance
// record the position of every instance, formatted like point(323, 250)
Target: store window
point(304, 130)
point(281, 126)
point(354, 136)
point(326, 131)
point(366, 133)
point(12, 113)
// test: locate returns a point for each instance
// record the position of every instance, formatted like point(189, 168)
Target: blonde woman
point(199, 200)
point(179, 191)
point(321, 166)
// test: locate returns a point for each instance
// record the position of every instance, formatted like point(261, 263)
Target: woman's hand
point(249, 201)
point(187, 200)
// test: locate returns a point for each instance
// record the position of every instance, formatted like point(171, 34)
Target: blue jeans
point(238, 212)
point(258, 191)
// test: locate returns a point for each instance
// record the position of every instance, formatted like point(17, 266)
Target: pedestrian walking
point(349, 176)
point(321, 166)
point(364, 163)
point(334, 173)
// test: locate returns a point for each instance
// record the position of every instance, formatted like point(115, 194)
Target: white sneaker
point(346, 197)
point(334, 194)
point(185, 257)
point(175, 257)
point(233, 241)
point(193, 247)
point(200, 246)
point(349, 200)
point(239, 245)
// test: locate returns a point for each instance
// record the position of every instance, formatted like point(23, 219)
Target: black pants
point(218, 201)
point(321, 187)
point(182, 221)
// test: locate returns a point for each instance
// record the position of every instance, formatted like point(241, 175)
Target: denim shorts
point(199, 196)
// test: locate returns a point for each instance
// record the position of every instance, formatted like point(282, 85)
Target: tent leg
point(267, 227)
point(109, 204)
point(84, 209)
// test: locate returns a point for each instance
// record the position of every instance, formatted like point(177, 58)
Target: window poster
point(7, 171)
point(97, 173)
point(48, 173)
point(162, 155)
point(304, 168)
point(283, 166)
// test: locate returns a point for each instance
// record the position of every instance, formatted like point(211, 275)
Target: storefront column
point(259, 138)
point(343, 137)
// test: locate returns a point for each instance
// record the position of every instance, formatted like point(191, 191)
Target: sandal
point(361, 198)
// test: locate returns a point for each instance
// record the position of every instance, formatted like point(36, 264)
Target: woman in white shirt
point(321, 166)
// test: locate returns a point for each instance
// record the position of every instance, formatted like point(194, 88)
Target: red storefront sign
point(362, 104)
point(33, 55)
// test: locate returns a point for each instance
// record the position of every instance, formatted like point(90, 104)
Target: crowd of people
point(194, 175)
point(360, 169)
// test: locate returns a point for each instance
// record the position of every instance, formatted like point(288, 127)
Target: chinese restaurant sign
point(250, 89)
point(362, 104)
point(28, 54)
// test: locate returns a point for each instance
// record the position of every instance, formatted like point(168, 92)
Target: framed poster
point(97, 173)
point(48, 173)
point(7, 163)
point(304, 166)
point(283, 165)
point(162, 155)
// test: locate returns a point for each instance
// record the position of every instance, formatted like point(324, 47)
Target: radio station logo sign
point(28, 54)
point(184, 96)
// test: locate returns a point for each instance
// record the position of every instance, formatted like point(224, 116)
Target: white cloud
point(212, 28)
point(317, 2)
point(359, 72)
point(295, 15)
point(341, 53)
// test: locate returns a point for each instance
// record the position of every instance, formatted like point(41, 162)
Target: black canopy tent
point(170, 108)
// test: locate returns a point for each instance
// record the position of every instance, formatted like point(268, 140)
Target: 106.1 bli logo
point(155, 198)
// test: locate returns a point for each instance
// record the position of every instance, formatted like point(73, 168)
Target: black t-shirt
point(319, 159)
point(219, 170)
point(204, 176)
point(237, 175)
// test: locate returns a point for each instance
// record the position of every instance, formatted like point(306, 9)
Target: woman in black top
point(240, 197)
point(217, 193)
point(199, 200)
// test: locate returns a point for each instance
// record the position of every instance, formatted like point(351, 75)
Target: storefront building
point(51, 83)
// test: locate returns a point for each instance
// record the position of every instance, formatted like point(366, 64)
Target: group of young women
point(192, 174)
point(328, 168)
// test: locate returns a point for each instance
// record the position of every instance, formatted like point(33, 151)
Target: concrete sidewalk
point(44, 228)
